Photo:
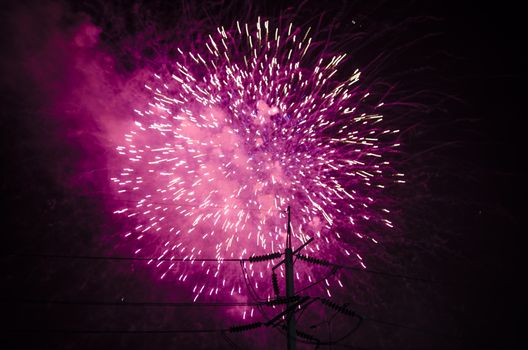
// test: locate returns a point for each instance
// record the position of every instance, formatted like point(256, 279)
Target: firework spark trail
point(236, 132)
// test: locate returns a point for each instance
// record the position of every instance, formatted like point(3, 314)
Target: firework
point(233, 133)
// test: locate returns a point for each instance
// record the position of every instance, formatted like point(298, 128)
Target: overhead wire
point(96, 257)
point(118, 258)
point(113, 331)
point(126, 303)
point(111, 196)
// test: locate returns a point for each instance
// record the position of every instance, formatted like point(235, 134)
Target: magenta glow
point(249, 122)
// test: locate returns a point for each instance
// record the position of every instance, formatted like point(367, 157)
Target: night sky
point(449, 277)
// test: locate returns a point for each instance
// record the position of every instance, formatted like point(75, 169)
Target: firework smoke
point(231, 135)
point(265, 124)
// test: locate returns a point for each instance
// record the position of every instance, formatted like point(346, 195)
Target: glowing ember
point(232, 135)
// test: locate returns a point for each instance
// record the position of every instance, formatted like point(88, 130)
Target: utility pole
point(290, 290)
point(291, 300)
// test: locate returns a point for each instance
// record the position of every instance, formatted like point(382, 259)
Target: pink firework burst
point(232, 134)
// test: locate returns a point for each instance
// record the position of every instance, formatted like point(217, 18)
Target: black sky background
point(465, 227)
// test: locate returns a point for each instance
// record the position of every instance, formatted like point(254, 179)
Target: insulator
point(264, 257)
point(303, 335)
point(337, 307)
point(313, 260)
point(245, 327)
point(306, 336)
point(275, 283)
point(280, 301)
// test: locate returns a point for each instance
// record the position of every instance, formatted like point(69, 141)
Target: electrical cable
point(114, 331)
point(126, 303)
point(331, 273)
point(118, 258)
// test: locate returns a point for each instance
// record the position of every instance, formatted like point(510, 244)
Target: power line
point(173, 304)
point(386, 274)
point(115, 331)
point(128, 303)
point(119, 258)
point(181, 304)
point(412, 328)
point(331, 273)
point(113, 197)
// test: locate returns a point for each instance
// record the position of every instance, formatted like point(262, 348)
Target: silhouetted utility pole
point(290, 290)
point(291, 300)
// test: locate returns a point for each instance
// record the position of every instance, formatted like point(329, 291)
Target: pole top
point(288, 236)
